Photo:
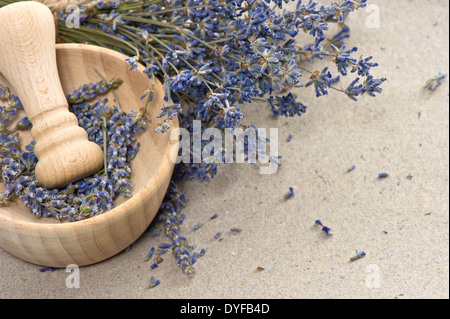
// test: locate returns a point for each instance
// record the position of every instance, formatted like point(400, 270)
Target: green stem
point(221, 40)
point(112, 90)
point(104, 34)
point(305, 69)
point(149, 21)
point(258, 99)
point(322, 53)
point(309, 71)
point(204, 81)
point(105, 146)
point(77, 36)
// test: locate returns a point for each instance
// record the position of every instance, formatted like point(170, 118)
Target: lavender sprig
point(435, 82)
point(325, 229)
point(358, 255)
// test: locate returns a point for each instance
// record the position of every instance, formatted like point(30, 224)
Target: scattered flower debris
point(153, 282)
point(290, 194)
point(195, 257)
point(435, 82)
point(358, 255)
point(196, 227)
point(154, 265)
point(351, 168)
point(181, 220)
point(150, 254)
point(165, 246)
point(161, 252)
point(383, 175)
point(326, 229)
point(51, 269)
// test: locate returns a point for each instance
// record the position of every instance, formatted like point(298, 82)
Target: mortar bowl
point(48, 242)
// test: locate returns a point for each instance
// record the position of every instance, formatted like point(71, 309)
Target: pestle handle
point(28, 61)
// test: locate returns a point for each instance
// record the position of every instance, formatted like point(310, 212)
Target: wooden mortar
point(47, 242)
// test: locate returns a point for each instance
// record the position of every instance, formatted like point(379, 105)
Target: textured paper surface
point(401, 224)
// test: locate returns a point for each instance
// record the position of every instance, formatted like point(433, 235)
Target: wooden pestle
point(28, 61)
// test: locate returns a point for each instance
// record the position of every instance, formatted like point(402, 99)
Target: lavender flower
point(286, 106)
point(290, 194)
point(338, 39)
point(325, 229)
point(354, 89)
point(169, 111)
point(357, 256)
point(45, 269)
point(150, 254)
point(133, 63)
point(23, 124)
point(372, 86)
point(208, 47)
point(435, 82)
point(321, 80)
point(363, 66)
point(165, 246)
point(343, 58)
point(153, 282)
point(383, 175)
point(154, 265)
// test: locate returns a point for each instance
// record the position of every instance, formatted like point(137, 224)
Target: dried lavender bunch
point(213, 55)
point(109, 127)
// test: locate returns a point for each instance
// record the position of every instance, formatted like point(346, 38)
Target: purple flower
point(435, 82)
point(286, 106)
point(321, 80)
point(133, 63)
point(343, 58)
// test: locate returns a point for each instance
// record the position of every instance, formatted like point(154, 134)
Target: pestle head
point(28, 61)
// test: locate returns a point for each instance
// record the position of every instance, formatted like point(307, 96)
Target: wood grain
point(28, 61)
point(45, 241)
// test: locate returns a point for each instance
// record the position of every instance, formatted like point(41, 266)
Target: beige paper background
point(402, 224)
